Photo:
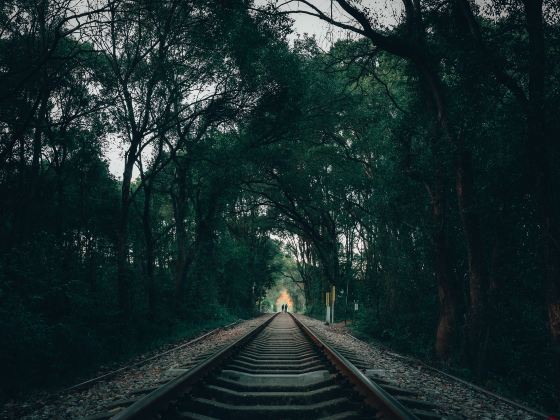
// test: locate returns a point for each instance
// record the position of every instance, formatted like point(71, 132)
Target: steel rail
point(147, 407)
point(384, 404)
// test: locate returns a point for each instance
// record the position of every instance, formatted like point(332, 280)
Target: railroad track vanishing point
point(279, 370)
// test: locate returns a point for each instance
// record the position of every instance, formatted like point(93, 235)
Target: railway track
point(279, 370)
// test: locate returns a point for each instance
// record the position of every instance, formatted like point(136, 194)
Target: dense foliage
point(414, 167)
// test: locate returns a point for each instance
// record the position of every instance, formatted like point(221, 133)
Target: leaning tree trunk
point(122, 257)
point(179, 212)
point(149, 250)
point(123, 286)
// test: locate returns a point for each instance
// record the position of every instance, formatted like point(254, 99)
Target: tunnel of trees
point(414, 166)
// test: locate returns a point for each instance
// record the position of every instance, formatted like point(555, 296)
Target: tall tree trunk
point(29, 193)
point(476, 316)
point(204, 258)
point(327, 251)
point(90, 264)
point(448, 292)
point(465, 191)
point(179, 212)
point(448, 289)
point(495, 293)
point(304, 261)
point(123, 281)
point(149, 251)
point(122, 259)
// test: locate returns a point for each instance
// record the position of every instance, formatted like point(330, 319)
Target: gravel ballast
point(456, 398)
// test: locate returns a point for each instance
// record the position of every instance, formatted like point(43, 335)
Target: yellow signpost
point(333, 294)
point(328, 306)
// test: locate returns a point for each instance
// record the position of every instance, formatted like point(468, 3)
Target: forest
point(411, 162)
